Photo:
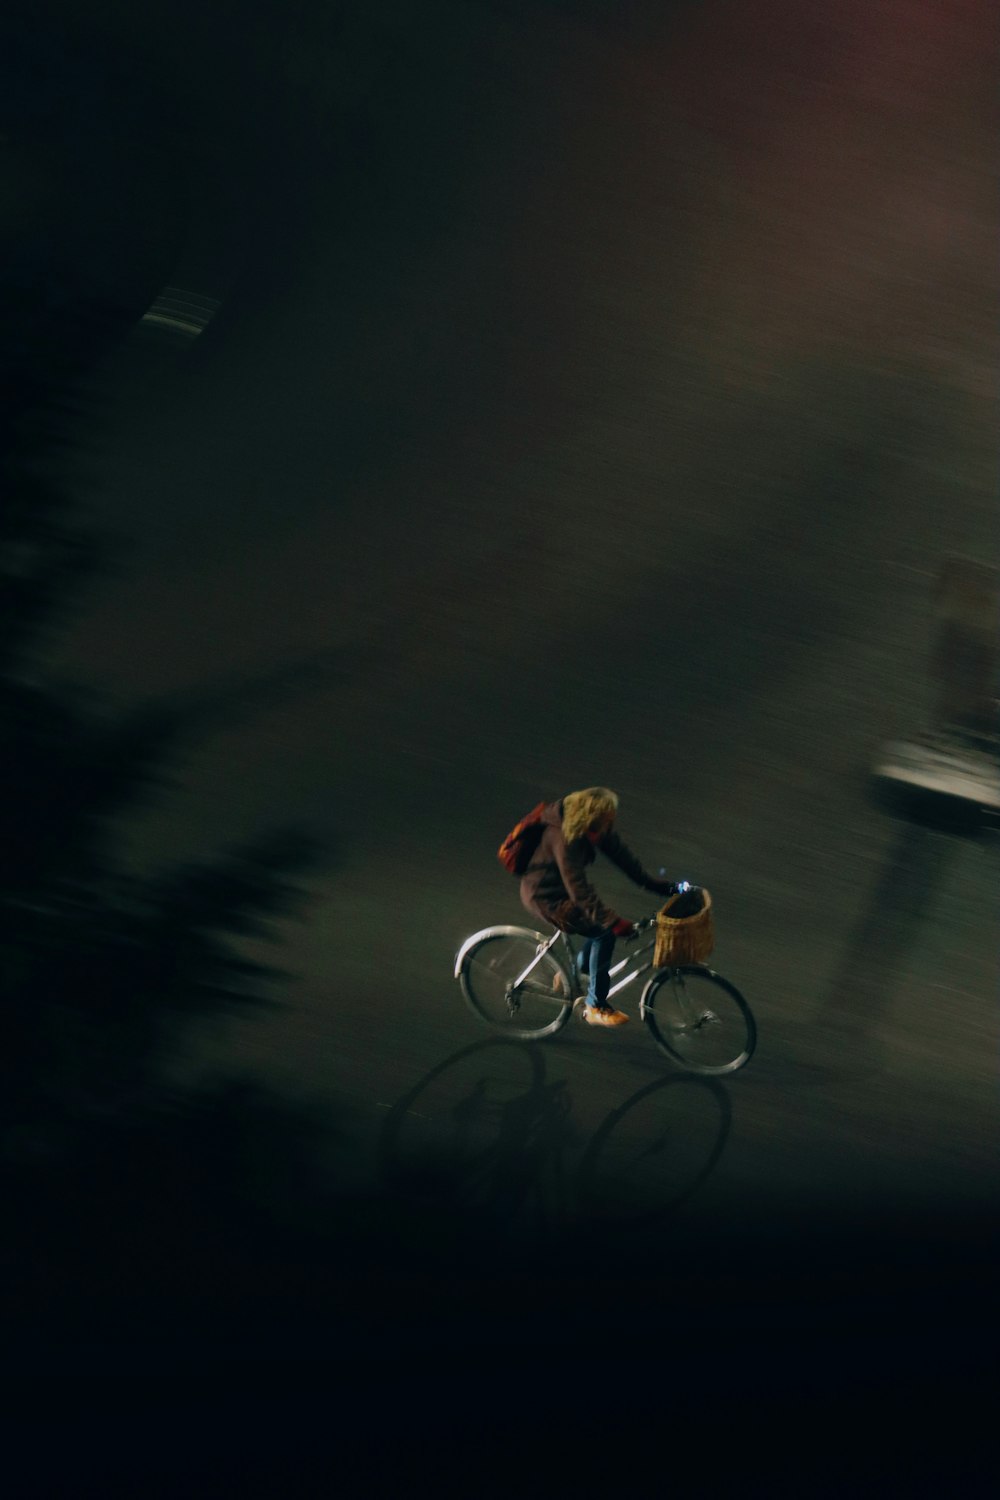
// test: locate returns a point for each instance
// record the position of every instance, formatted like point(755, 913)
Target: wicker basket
point(684, 940)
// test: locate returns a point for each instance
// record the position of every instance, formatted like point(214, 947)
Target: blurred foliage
point(101, 970)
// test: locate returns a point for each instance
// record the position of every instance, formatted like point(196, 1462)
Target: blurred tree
point(99, 969)
point(126, 1192)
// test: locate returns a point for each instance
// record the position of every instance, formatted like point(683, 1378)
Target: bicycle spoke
point(700, 1019)
point(489, 976)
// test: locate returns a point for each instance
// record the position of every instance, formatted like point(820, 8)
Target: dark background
point(593, 394)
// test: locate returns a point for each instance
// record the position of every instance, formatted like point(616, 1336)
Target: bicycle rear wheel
point(699, 1019)
point(487, 969)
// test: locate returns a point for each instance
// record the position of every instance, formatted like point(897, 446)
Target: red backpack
point(520, 844)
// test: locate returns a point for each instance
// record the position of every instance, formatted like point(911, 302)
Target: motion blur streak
point(596, 396)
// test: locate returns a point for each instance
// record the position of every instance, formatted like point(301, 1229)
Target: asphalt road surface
point(631, 459)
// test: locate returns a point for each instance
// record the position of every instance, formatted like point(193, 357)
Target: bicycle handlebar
point(645, 923)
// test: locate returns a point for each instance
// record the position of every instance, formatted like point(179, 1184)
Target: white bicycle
point(526, 984)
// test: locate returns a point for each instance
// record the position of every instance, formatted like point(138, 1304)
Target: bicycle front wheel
point(487, 970)
point(699, 1019)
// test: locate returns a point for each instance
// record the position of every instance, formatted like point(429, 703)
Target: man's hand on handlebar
point(625, 929)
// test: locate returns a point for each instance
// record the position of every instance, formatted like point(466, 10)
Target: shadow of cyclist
point(494, 1142)
point(653, 1153)
point(500, 1145)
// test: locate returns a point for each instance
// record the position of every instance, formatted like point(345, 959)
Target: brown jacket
point(555, 886)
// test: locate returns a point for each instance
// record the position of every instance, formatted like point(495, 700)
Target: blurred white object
point(178, 314)
point(960, 757)
point(947, 767)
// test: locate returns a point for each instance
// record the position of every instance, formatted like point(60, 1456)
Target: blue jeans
point(594, 961)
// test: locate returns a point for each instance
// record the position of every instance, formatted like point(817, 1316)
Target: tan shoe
point(596, 1015)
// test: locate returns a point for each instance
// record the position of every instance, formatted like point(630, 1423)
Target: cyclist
point(555, 887)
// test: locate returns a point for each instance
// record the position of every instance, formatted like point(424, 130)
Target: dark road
point(614, 433)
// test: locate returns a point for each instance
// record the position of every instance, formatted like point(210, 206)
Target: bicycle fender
point(506, 930)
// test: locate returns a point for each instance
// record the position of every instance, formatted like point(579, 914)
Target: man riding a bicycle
point(556, 888)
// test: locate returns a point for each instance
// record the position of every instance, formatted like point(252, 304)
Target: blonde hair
point(581, 810)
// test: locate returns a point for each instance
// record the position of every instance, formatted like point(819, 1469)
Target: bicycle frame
point(629, 962)
point(690, 994)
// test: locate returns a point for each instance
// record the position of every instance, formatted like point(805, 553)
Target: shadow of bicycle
point(654, 1153)
point(484, 1130)
point(487, 1133)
